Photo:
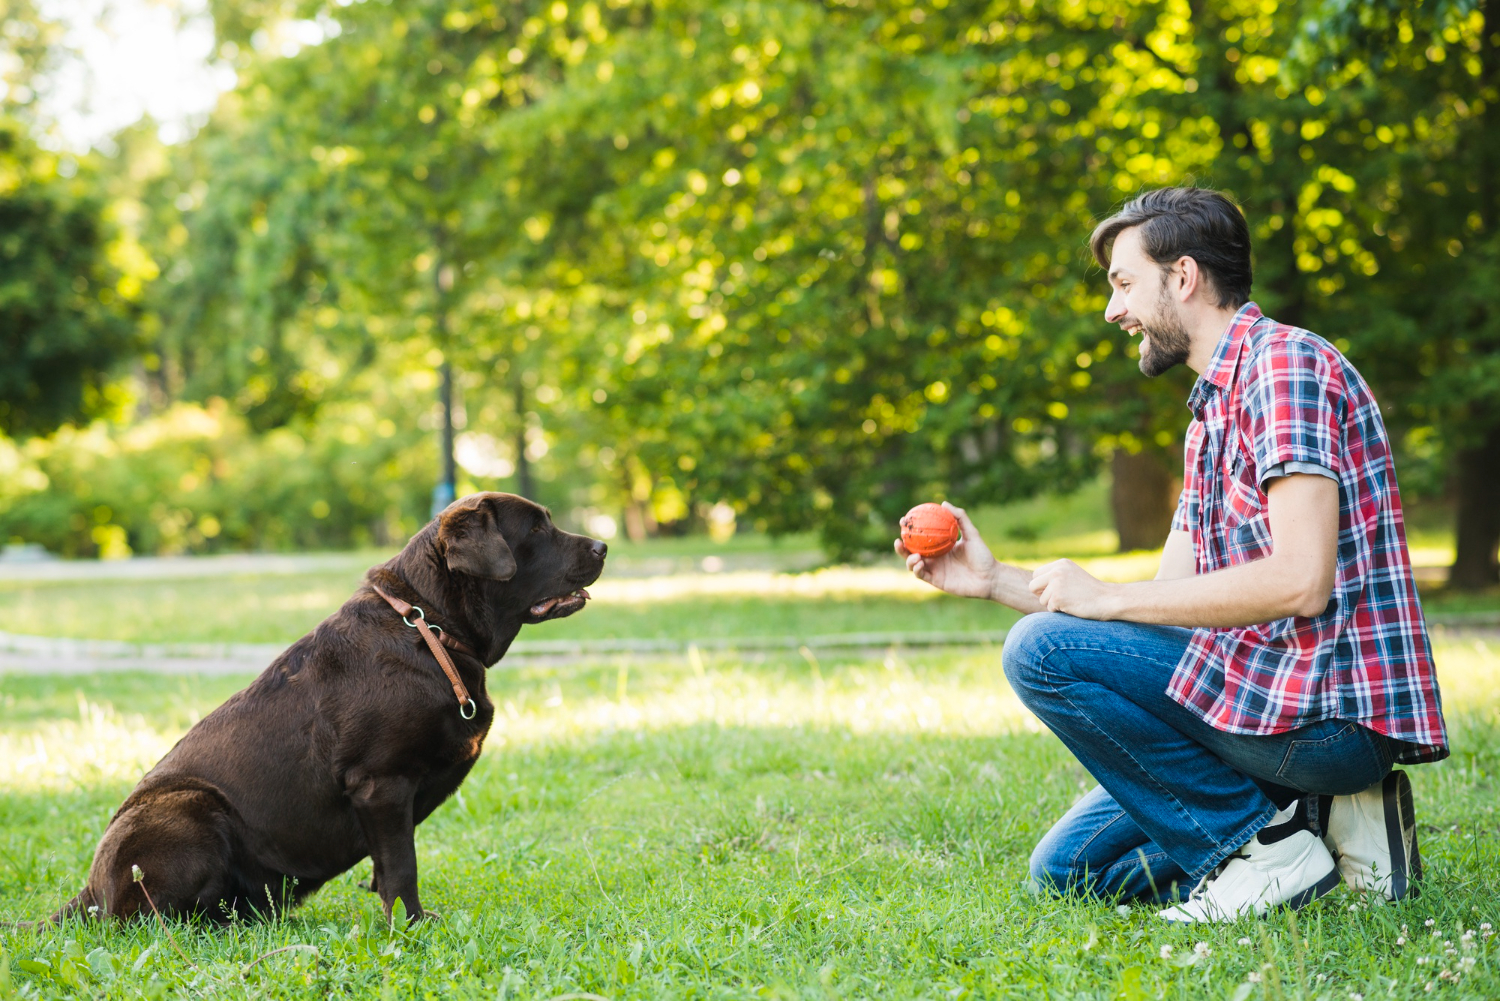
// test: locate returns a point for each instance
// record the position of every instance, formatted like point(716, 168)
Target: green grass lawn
point(854, 828)
point(714, 826)
point(279, 609)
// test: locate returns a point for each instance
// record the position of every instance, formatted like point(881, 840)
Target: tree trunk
point(523, 464)
point(1478, 529)
point(1141, 498)
point(446, 489)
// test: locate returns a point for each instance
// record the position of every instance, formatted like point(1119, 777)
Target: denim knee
point(1051, 870)
point(1027, 644)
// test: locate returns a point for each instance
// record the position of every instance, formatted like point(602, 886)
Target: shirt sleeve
point(1288, 468)
point(1294, 407)
point(1179, 517)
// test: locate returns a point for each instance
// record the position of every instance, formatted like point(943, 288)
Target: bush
point(196, 479)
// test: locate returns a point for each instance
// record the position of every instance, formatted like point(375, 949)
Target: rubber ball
point(929, 530)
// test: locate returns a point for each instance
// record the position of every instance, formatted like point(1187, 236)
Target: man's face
point(1142, 304)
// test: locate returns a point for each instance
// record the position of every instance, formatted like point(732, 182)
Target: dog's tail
point(78, 905)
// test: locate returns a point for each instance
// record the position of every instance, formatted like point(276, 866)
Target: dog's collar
point(437, 638)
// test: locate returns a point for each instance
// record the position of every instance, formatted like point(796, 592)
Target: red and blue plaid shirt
point(1275, 394)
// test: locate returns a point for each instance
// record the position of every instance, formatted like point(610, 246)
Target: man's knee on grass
point(1027, 645)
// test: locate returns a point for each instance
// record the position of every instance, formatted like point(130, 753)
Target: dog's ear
point(469, 531)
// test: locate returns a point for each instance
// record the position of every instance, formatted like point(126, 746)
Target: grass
point(723, 828)
point(280, 608)
point(712, 826)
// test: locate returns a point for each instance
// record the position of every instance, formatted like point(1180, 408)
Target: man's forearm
point(1245, 595)
point(1012, 588)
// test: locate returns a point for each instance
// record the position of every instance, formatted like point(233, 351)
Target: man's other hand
point(1064, 586)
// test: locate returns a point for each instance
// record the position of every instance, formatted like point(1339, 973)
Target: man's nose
point(1115, 310)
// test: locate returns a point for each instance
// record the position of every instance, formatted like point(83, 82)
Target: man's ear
point(472, 542)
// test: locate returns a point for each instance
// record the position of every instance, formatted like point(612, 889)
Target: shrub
point(196, 479)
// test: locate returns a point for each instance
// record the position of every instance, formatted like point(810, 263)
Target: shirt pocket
point(1246, 529)
point(1242, 498)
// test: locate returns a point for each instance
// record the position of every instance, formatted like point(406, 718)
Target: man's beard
point(1169, 338)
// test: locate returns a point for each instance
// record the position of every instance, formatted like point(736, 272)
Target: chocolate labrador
point(351, 738)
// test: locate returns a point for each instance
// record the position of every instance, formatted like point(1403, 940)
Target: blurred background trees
point(796, 265)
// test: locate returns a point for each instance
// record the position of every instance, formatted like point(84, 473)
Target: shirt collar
point(1220, 370)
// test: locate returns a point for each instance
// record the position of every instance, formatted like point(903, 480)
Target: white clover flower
point(1166, 952)
point(1253, 977)
point(1355, 996)
point(1401, 940)
point(1421, 960)
point(1429, 922)
point(1243, 941)
point(1484, 926)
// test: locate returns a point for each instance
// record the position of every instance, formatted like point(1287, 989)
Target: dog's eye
point(537, 528)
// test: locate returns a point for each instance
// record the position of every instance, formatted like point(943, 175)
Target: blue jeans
point(1176, 796)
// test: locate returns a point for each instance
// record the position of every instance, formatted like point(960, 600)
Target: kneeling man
point(1242, 711)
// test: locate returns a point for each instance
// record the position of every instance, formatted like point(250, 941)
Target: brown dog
point(350, 738)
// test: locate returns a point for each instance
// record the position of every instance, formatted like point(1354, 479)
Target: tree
point(817, 261)
point(1421, 191)
point(356, 187)
point(63, 301)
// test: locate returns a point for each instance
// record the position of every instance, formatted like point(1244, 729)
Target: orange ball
point(929, 530)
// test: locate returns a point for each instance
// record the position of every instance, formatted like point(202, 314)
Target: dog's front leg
point(384, 808)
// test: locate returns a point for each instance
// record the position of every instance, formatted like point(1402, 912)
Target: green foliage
point(197, 479)
point(62, 325)
point(29, 41)
point(817, 262)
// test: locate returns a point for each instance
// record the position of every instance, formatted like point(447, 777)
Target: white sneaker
point(1373, 834)
point(1285, 865)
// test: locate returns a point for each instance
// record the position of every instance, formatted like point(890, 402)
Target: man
point(1255, 694)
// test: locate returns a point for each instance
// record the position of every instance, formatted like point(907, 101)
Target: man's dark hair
point(1186, 222)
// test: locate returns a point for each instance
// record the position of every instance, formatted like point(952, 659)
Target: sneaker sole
point(1321, 888)
point(1401, 835)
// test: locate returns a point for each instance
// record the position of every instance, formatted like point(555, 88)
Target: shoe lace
point(1201, 890)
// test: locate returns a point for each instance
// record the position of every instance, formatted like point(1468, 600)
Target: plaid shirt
point(1275, 394)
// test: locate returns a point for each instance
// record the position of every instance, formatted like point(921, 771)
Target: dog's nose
point(598, 548)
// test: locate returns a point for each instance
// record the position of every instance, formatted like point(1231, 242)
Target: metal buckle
point(423, 616)
point(473, 708)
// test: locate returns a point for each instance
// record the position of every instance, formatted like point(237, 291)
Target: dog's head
point(502, 537)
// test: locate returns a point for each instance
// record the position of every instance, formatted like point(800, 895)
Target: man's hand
point(1064, 586)
point(970, 570)
point(967, 570)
